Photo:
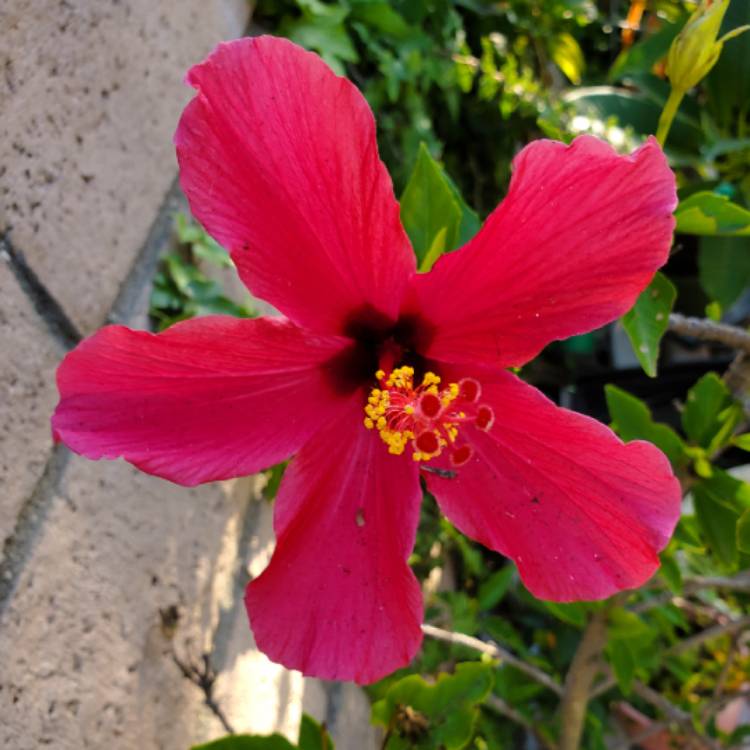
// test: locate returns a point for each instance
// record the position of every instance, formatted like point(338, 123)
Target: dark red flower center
point(379, 342)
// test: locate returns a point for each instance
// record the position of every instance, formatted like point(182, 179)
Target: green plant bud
point(696, 48)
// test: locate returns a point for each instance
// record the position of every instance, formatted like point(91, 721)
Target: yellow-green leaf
point(712, 214)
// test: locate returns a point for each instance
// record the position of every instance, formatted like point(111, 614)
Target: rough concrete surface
point(87, 660)
point(27, 397)
point(90, 94)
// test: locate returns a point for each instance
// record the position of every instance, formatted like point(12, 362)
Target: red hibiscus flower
point(377, 373)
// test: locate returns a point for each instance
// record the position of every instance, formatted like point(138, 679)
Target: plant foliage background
point(458, 87)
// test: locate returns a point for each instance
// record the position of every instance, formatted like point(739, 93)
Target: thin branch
point(739, 582)
point(708, 330)
point(726, 668)
point(737, 379)
point(496, 652)
point(716, 631)
point(579, 679)
point(673, 713)
point(203, 677)
point(498, 705)
point(733, 626)
point(692, 585)
point(636, 739)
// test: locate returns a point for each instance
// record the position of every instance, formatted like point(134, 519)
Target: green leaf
point(646, 322)
point(567, 54)
point(713, 311)
point(500, 630)
point(671, 573)
point(572, 613)
point(247, 742)
point(212, 252)
point(321, 29)
point(435, 715)
point(720, 501)
point(623, 664)
point(718, 522)
point(724, 267)
point(313, 736)
point(275, 474)
point(742, 441)
point(437, 248)
point(711, 413)
point(728, 84)
point(743, 532)
point(470, 223)
point(632, 420)
point(622, 625)
point(379, 15)
point(428, 207)
point(494, 588)
point(708, 213)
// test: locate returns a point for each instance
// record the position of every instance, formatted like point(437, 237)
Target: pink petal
point(582, 514)
point(279, 161)
point(338, 600)
point(209, 398)
point(578, 237)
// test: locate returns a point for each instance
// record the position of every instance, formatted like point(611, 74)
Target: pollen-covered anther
point(469, 389)
point(428, 416)
point(485, 418)
point(461, 455)
point(430, 405)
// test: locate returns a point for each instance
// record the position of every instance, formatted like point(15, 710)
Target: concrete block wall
point(113, 584)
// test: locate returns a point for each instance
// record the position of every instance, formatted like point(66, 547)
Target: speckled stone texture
point(27, 396)
point(90, 94)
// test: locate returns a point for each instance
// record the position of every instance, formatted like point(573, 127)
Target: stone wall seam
point(139, 279)
point(18, 547)
point(47, 307)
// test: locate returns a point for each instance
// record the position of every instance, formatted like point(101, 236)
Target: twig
point(673, 713)
point(708, 634)
point(579, 679)
point(737, 379)
point(739, 582)
point(204, 677)
point(732, 626)
point(636, 739)
point(708, 330)
point(498, 705)
point(496, 652)
point(726, 668)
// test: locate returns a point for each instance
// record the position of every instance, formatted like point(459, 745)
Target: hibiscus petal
point(338, 600)
point(582, 514)
point(207, 399)
point(279, 161)
point(578, 237)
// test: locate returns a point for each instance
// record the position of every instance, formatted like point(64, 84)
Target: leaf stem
point(668, 115)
